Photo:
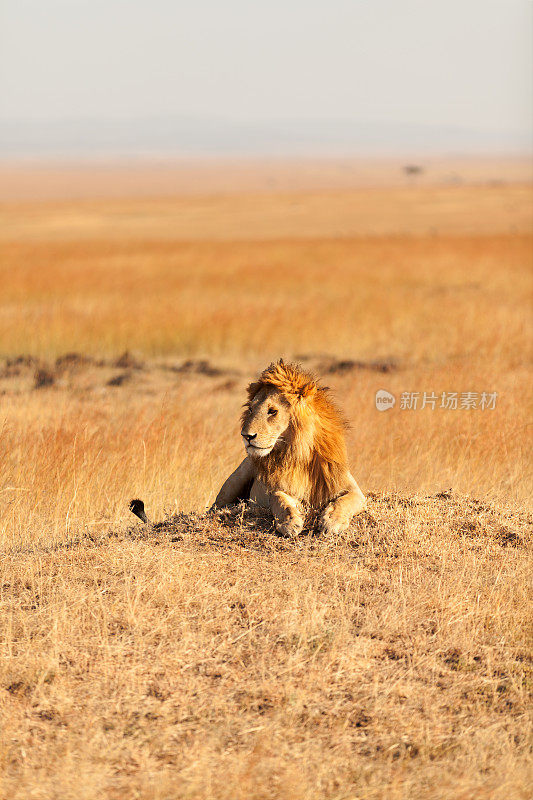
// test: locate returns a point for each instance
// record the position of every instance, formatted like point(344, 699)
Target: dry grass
point(211, 659)
point(425, 300)
point(205, 658)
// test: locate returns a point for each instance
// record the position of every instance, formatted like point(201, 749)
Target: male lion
point(296, 454)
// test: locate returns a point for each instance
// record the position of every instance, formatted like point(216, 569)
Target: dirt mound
point(350, 365)
point(200, 367)
point(383, 527)
point(127, 361)
point(325, 364)
point(14, 366)
point(120, 379)
point(44, 378)
point(74, 361)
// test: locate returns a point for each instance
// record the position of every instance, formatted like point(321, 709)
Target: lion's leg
point(237, 486)
point(337, 515)
point(259, 494)
point(287, 513)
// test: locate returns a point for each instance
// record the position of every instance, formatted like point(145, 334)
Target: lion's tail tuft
point(137, 507)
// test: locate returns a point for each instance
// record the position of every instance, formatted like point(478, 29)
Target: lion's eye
point(272, 412)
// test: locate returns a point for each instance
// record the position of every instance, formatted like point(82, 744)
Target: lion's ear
point(253, 388)
point(307, 391)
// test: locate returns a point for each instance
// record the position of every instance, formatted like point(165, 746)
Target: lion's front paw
point(291, 526)
point(334, 521)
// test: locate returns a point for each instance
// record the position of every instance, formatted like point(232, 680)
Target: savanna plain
point(203, 656)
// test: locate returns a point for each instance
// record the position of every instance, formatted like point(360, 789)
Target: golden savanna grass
point(206, 658)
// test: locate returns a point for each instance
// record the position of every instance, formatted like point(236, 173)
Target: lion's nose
point(248, 436)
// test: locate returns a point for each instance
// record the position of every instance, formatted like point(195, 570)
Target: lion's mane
point(312, 458)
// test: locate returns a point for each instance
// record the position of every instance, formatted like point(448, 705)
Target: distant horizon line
point(152, 158)
point(180, 137)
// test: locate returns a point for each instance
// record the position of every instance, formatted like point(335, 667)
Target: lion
point(296, 456)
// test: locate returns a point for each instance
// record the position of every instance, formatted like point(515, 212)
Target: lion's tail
point(137, 508)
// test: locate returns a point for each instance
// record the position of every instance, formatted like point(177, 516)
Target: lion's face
point(265, 421)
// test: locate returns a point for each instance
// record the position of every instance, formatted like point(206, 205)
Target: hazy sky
point(452, 68)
